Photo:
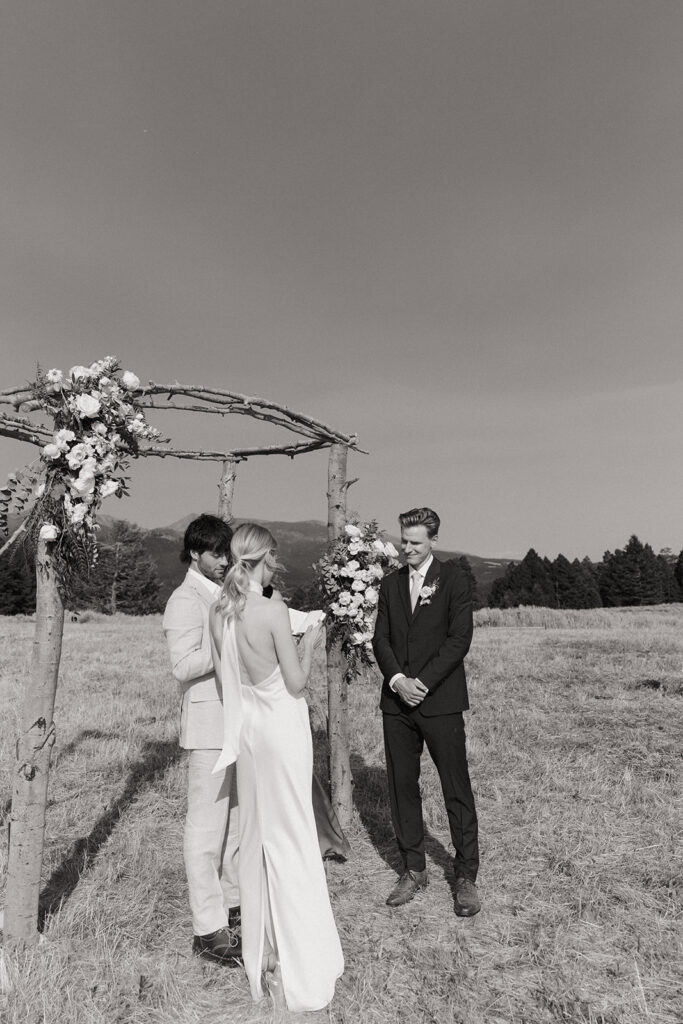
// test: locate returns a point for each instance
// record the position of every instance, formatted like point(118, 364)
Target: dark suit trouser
point(404, 737)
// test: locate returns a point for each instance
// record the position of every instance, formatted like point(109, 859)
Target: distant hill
point(300, 544)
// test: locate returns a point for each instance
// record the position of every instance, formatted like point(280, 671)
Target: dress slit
point(282, 878)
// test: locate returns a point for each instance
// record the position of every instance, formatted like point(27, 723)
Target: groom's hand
point(411, 691)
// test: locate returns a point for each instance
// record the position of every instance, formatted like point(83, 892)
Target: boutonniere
point(427, 593)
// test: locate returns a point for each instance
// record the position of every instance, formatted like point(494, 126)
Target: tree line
point(633, 575)
point(123, 580)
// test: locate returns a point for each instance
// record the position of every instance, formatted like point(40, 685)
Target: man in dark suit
point(423, 632)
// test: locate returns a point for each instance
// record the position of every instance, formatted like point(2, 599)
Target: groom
point(423, 632)
point(211, 837)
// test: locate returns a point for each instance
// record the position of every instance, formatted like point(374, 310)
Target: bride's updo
point(250, 543)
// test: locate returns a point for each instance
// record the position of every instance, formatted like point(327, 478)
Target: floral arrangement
point(427, 592)
point(350, 574)
point(98, 426)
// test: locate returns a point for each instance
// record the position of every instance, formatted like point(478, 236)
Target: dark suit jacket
point(430, 643)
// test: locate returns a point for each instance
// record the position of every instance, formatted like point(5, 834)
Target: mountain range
point(300, 544)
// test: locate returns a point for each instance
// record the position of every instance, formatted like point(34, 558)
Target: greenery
point(17, 583)
point(633, 575)
point(574, 747)
point(124, 579)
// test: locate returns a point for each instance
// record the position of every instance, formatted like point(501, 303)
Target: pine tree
point(588, 593)
point(124, 578)
point(464, 564)
point(666, 563)
point(678, 572)
point(17, 584)
point(528, 583)
point(631, 576)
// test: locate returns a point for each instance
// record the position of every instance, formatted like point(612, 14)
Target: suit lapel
point(199, 590)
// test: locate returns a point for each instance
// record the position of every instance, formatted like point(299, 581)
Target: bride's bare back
point(264, 641)
point(255, 640)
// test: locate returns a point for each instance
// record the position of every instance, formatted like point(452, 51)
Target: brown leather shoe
point(408, 884)
point(467, 902)
point(223, 947)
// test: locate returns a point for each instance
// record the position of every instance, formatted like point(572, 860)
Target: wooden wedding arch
point(37, 728)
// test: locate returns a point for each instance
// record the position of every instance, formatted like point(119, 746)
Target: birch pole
point(34, 750)
point(226, 489)
point(341, 782)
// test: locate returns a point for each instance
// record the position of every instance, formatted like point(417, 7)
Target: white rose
point(51, 451)
point(83, 484)
point(77, 455)
point(109, 487)
point(78, 514)
point(49, 531)
point(344, 597)
point(99, 428)
point(371, 595)
point(130, 381)
point(378, 546)
point(63, 438)
point(87, 405)
point(351, 530)
point(358, 585)
point(77, 372)
point(54, 376)
point(377, 571)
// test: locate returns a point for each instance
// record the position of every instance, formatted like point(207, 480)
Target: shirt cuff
point(394, 680)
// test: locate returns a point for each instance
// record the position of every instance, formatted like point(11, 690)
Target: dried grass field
point(575, 743)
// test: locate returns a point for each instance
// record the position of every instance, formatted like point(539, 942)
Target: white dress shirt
point(421, 571)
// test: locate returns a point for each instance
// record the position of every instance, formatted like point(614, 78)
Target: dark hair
point(421, 517)
point(206, 533)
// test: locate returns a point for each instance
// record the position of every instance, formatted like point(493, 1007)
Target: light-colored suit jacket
point(186, 625)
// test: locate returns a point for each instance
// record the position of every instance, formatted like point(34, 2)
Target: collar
point(213, 588)
point(423, 569)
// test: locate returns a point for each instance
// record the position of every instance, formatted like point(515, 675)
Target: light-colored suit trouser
point(211, 842)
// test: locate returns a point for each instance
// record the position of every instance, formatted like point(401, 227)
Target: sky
point(453, 227)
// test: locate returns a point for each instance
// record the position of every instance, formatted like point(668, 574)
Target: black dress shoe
point(467, 902)
point(408, 884)
point(223, 947)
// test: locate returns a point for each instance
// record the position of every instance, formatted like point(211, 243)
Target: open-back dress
point(283, 889)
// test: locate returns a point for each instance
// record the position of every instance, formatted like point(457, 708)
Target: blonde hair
point(250, 544)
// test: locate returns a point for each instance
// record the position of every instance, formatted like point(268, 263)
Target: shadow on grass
point(85, 734)
point(62, 753)
point(157, 756)
point(371, 797)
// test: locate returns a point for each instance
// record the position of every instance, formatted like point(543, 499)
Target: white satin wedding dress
point(283, 889)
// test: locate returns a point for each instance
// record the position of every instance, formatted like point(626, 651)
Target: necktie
point(415, 587)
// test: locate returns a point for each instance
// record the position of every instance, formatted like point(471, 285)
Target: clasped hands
point(411, 691)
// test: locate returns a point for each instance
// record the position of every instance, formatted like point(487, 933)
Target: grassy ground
point(575, 747)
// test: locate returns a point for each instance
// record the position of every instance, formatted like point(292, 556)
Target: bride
point(288, 931)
